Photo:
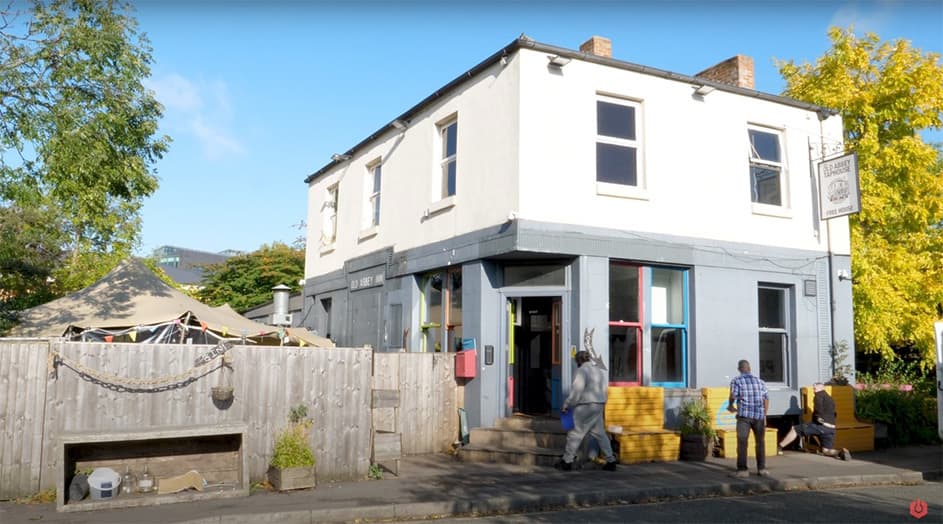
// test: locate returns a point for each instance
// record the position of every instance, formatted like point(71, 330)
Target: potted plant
point(292, 465)
point(697, 433)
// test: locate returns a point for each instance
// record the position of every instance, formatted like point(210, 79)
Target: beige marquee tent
point(131, 304)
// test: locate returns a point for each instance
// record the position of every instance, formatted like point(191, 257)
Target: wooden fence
point(428, 415)
point(335, 384)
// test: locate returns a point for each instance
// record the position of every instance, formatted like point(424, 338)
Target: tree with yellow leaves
point(887, 93)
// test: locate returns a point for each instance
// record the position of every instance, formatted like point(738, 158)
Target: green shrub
point(696, 419)
point(375, 472)
point(910, 416)
point(292, 446)
point(897, 372)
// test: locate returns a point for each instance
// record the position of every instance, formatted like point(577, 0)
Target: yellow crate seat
point(725, 423)
point(850, 432)
point(640, 411)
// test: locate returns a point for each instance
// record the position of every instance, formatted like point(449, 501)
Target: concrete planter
point(292, 478)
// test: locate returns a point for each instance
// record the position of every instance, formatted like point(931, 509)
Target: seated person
point(822, 425)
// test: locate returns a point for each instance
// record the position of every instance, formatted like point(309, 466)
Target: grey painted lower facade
point(716, 294)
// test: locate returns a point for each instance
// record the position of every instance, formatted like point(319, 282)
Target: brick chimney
point(598, 46)
point(735, 71)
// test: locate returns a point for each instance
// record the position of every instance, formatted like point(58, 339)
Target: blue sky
point(258, 95)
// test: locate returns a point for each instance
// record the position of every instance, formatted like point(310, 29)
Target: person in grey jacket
point(587, 398)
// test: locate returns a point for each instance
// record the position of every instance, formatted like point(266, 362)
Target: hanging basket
point(222, 393)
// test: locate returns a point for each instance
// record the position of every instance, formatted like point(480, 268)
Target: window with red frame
point(625, 326)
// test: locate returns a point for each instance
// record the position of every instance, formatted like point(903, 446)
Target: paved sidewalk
point(437, 485)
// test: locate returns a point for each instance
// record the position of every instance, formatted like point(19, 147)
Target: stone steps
point(517, 438)
point(529, 441)
point(522, 456)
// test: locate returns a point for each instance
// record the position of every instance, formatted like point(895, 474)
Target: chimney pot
point(735, 71)
point(597, 45)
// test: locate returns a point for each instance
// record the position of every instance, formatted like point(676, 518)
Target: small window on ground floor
point(774, 332)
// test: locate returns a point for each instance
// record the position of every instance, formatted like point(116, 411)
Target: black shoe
point(562, 464)
point(610, 466)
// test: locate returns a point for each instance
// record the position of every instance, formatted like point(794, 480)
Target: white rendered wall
point(695, 158)
point(526, 143)
point(487, 108)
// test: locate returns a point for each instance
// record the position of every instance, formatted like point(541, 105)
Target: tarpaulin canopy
point(131, 303)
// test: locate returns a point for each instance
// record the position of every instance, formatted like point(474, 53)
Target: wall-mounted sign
point(366, 281)
point(839, 194)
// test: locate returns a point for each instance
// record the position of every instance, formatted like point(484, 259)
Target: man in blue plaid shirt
point(749, 398)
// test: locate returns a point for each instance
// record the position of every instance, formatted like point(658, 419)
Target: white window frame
point(372, 183)
point(444, 159)
point(329, 216)
point(783, 209)
point(785, 332)
point(639, 190)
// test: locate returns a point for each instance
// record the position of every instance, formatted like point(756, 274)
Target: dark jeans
point(744, 426)
point(826, 435)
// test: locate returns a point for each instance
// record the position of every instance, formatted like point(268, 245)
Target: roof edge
point(525, 42)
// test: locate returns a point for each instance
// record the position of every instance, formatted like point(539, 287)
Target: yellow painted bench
point(640, 411)
point(725, 423)
point(850, 432)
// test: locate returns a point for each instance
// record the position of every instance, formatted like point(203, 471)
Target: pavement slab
point(438, 485)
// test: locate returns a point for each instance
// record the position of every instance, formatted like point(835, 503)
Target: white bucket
point(104, 483)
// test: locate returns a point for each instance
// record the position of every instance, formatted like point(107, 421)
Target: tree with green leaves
point(887, 93)
point(246, 281)
point(78, 141)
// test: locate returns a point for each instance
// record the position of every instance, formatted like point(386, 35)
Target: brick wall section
point(598, 46)
point(735, 71)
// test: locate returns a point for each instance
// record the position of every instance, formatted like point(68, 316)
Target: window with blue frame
point(669, 327)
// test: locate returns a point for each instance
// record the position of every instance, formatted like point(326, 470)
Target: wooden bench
point(725, 423)
point(850, 432)
point(217, 452)
point(640, 411)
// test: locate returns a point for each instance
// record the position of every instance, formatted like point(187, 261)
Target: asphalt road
point(880, 504)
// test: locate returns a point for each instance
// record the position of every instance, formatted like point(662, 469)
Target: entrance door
point(535, 345)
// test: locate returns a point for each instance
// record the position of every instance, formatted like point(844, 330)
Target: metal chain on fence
point(155, 384)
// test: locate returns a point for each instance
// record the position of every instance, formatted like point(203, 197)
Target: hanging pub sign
point(839, 194)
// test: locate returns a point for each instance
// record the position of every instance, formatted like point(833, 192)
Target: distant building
point(185, 266)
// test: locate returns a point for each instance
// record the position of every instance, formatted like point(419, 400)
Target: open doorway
point(535, 324)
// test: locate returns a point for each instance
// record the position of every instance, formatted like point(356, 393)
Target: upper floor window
point(372, 194)
point(766, 167)
point(329, 216)
point(617, 142)
point(448, 136)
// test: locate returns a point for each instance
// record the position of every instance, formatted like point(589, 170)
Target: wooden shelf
point(215, 451)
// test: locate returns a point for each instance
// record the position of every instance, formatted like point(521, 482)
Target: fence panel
point(22, 402)
point(114, 387)
point(333, 383)
point(428, 417)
